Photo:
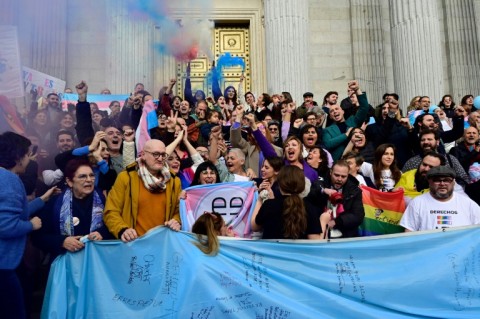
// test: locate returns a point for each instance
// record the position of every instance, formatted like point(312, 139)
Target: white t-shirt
point(426, 213)
point(387, 181)
point(361, 180)
point(240, 178)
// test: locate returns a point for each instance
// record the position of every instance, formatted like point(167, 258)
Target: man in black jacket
point(350, 211)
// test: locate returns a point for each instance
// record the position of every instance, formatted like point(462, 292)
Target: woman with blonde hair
point(208, 227)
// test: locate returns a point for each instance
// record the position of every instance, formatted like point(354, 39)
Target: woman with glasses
point(77, 212)
point(206, 173)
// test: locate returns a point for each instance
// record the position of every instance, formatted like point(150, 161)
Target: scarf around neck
point(152, 183)
point(66, 213)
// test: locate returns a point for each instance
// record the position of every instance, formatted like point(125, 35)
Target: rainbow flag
point(383, 211)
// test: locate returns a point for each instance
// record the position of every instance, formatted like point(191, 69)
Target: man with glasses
point(144, 196)
point(441, 207)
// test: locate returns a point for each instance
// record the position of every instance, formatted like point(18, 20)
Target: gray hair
point(239, 153)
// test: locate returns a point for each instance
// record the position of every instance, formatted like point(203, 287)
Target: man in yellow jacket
point(144, 196)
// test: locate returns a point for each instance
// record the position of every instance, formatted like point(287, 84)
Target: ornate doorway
point(227, 38)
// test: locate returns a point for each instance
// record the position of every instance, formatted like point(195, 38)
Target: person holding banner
point(384, 171)
point(287, 217)
point(76, 212)
point(144, 196)
point(206, 173)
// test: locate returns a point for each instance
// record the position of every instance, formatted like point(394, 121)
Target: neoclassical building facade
point(411, 47)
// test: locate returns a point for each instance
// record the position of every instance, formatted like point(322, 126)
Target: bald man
point(144, 196)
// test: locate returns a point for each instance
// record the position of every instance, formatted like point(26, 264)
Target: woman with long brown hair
point(287, 217)
point(384, 172)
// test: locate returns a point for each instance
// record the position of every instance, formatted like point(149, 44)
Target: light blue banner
point(163, 275)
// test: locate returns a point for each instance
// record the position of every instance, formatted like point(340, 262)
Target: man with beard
point(54, 109)
point(414, 182)
point(351, 213)
point(432, 122)
point(335, 136)
point(441, 207)
point(65, 142)
point(429, 141)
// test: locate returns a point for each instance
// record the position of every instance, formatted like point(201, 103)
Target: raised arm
point(165, 102)
point(216, 90)
point(236, 138)
point(187, 92)
point(84, 126)
point(265, 146)
point(362, 99)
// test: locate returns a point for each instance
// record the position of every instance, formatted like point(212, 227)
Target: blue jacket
point(14, 219)
point(49, 239)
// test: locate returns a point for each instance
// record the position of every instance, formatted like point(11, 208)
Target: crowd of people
point(117, 173)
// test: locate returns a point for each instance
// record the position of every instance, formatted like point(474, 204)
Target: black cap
point(306, 94)
point(441, 171)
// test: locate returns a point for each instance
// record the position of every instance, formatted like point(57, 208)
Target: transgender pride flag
point(234, 201)
point(383, 211)
point(102, 100)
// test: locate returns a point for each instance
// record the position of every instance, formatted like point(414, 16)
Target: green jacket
point(334, 140)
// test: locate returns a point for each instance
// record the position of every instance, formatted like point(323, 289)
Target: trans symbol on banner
point(229, 205)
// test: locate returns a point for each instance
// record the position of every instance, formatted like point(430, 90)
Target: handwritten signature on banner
point(163, 274)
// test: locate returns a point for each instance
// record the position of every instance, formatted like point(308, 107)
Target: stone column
point(416, 49)
point(43, 36)
point(129, 50)
point(368, 48)
point(286, 32)
point(476, 12)
point(463, 47)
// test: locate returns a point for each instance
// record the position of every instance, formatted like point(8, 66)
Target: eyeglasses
point(445, 180)
point(83, 177)
point(273, 129)
point(156, 155)
point(202, 152)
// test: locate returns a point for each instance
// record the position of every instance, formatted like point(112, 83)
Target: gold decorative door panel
point(236, 41)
